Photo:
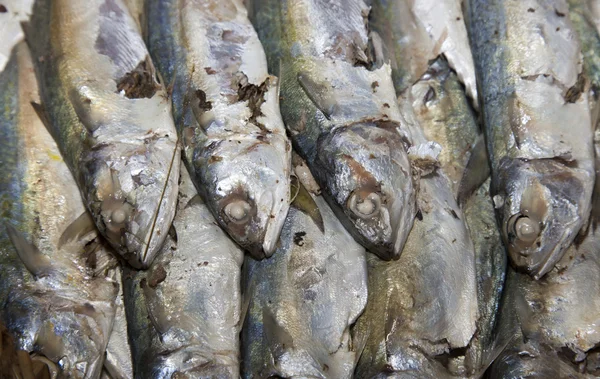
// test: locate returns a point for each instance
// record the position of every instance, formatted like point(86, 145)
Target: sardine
point(421, 31)
point(302, 301)
point(57, 298)
point(111, 119)
point(118, 363)
point(342, 117)
point(184, 312)
point(554, 324)
point(537, 124)
point(226, 109)
point(422, 309)
point(443, 111)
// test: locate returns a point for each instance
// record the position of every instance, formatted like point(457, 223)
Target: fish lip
point(273, 230)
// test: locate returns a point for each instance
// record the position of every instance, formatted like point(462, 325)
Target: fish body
point(342, 117)
point(422, 309)
point(537, 124)
point(418, 32)
point(58, 299)
point(110, 117)
point(226, 109)
point(303, 299)
point(183, 313)
point(443, 111)
point(552, 325)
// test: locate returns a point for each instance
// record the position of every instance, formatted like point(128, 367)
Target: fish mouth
point(274, 226)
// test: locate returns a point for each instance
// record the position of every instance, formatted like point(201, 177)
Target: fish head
point(246, 184)
point(365, 173)
point(542, 205)
point(131, 191)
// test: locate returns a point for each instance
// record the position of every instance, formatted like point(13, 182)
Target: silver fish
point(443, 111)
point(342, 117)
point(110, 117)
point(422, 309)
point(537, 123)
point(554, 324)
point(58, 298)
point(118, 363)
point(226, 108)
point(303, 299)
point(184, 312)
point(421, 31)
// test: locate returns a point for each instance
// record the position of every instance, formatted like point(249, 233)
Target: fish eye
point(238, 211)
point(524, 228)
point(365, 207)
point(117, 215)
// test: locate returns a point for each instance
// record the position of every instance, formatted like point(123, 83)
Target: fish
point(443, 111)
point(553, 325)
point(341, 115)
point(12, 13)
point(418, 32)
point(303, 300)
point(422, 310)
point(537, 125)
point(445, 115)
point(58, 300)
point(102, 102)
point(226, 109)
point(118, 363)
point(184, 312)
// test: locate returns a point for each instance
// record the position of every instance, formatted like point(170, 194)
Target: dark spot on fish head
point(419, 215)
point(530, 10)
point(3, 9)
point(202, 103)
point(299, 238)
point(559, 13)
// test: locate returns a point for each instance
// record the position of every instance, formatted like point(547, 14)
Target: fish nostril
point(365, 207)
point(238, 211)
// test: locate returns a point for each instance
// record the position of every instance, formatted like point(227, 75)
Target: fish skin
point(302, 301)
point(226, 109)
point(537, 125)
point(341, 116)
point(555, 319)
point(118, 363)
point(422, 31)
point(111, 119)
point(61, 306)
point(183, 313)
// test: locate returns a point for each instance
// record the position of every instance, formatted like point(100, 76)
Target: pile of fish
point(299, 189)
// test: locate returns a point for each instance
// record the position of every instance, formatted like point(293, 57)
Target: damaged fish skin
point(303, 300)
point(58, 298)
point(226, 109)
point(415, 33)
point(111, 118)
point(537, 125)
point(342, 117)
point(184, 313)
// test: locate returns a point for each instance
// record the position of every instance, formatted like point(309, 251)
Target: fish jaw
point(366, 173)
point(132, 195)
point(547, 199)
point(248, 177)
